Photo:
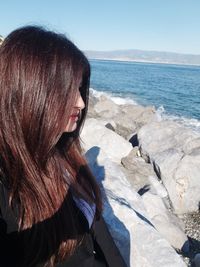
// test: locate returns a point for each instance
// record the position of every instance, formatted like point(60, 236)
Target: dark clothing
point(96, 250)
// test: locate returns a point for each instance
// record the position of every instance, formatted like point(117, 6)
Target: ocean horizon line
point(146, 62)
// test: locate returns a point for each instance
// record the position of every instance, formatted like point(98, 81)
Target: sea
point(174, 90)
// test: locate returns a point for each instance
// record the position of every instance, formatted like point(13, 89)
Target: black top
point(96, 250)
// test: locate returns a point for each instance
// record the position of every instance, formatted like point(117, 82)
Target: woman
point(50, 203)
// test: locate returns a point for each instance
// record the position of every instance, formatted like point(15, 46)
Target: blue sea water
point(174, 90)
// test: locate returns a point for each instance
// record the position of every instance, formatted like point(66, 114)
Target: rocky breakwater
point(148, 170)
point(175, 153)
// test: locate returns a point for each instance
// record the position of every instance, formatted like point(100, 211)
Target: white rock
point(128, 118)
point(106, 108)
point(137, 170)
point(139, 242)
point(167, 224)
point(157, 186)
point(191, 145)
point(167, 144)
point(110, 144)
point(187, 184)
point(154, 252)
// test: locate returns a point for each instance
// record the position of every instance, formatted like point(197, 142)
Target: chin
point(70, 129)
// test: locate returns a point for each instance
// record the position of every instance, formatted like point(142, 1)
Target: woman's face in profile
point(75, 116)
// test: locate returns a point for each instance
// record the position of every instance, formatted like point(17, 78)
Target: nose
point(80, 103)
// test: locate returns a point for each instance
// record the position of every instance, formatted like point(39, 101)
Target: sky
point(158, 25)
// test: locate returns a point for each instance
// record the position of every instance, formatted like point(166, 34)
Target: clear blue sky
point(163, 25)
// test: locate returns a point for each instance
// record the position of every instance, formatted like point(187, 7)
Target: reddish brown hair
point(40, 75)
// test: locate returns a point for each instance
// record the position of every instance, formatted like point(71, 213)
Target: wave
point(190, 123)
point(119, 100)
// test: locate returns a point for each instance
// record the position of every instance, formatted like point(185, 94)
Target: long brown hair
point(40, 74)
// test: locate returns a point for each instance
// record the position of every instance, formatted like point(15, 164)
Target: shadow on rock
point(99, 172)
point(144, 189)
point(134, 140)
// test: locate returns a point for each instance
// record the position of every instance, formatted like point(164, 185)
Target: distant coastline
point(147, 62)
point(141, 56)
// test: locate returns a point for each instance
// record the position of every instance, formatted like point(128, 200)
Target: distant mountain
point(145, 56)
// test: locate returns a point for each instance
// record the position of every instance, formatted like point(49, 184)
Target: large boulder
point(108, 143)
point(142, 177)
point(106, 108)
point(175, 153)
point(191, 146)
point(139, 114)
point(128, 221)
point(137, 170)
point(186, 176)
point(124, 211)
point(165, 222)
point(131, 118)
point(128, 118)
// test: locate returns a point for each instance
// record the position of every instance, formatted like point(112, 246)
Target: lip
point(74, 117)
